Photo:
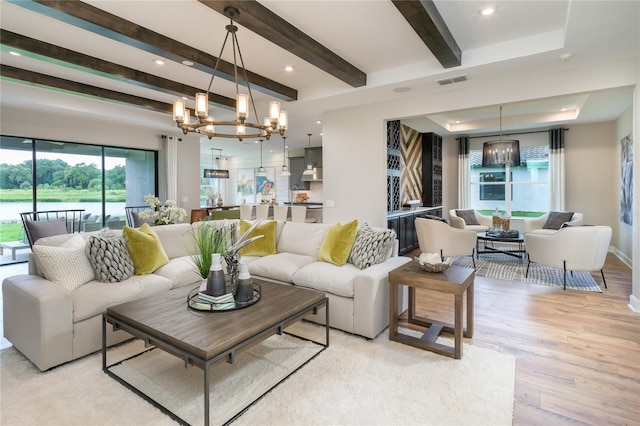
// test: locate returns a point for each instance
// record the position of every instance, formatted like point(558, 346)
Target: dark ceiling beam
point(272, 27)
point(10, 73)
point(424, 18)
point(92, 19)
point(56, 54)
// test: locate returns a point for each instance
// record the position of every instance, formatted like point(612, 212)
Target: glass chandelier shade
point(240, 128)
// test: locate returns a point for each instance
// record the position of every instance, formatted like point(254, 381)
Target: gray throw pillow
point(109, 258)
point(469, 216)
point(556, 219)
point(46, 228)
point(138, 221)
point(371, 247)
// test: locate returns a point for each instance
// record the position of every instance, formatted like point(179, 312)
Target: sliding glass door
point(100, 180)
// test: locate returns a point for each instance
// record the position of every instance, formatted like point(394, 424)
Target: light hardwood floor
point(578, 352)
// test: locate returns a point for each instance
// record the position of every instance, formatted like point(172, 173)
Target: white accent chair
point(262, 211)
point(246, 211)
point(280, 212)
point(536, 224)
point(573, 248)
point(436, 236)
point(485, 222)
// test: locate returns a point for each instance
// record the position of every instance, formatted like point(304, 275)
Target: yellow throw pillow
point(263, 246)
point(145, 249)
point(337, 243)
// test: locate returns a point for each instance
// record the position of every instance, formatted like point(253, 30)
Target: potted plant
point(210, 239)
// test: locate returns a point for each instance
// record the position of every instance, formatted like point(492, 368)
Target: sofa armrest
point(371, 297)
point(38, 319)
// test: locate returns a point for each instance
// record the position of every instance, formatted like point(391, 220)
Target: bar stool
point(298, 213)
point(262, 211)
point(280, 212)
point(246, 211)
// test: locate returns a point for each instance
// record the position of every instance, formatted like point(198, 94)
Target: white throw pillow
point(65, 265)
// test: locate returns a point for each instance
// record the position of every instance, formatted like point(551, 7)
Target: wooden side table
point(454, 280)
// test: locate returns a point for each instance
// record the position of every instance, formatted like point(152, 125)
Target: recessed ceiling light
point(288, 68)
point(565, 56)
point(158, 61)
point(187, 63)
point(487, 11)
point(319, 122)
point(563, 109)
point(402, 89)
point(457, 121)
point(14, 53)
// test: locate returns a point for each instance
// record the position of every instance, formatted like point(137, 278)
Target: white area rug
point(504, 267)
point(354, 381)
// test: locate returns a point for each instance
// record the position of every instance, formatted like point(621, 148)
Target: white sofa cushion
point(302, 238)
point(327, 277)
point(181, 271)
point(280, 267)
point(177, 240)
point(95, 297)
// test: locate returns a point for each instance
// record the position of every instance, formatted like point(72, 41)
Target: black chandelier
point(240, 128)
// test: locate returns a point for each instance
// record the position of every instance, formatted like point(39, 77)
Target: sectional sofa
point(52, 323)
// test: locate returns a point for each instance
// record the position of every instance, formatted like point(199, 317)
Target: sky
point(17, 157)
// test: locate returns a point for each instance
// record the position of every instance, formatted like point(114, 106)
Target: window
point(101, 180)
point(529, 183)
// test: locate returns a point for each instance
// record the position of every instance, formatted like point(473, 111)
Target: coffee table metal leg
point(206, 393)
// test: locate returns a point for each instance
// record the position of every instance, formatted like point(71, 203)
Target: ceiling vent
point(451, 80)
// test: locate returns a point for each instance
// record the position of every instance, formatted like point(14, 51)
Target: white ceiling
point(521, 40)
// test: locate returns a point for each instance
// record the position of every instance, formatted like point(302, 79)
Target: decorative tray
point(195, 302)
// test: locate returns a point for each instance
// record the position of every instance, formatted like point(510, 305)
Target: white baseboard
point(620, 255)
point(634, 303)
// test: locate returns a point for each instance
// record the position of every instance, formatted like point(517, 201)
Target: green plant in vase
point(210, 239)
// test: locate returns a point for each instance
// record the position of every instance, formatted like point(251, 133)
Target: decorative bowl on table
point(432, 262)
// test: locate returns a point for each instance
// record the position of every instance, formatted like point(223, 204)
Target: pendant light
point(213, 172)
point(261, 169)
point(285, 168)
point(309, 170)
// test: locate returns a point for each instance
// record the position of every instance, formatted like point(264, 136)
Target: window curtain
point(556, 169)
point(171, 167)
point(464, 173)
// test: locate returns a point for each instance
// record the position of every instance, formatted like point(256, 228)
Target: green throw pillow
point(263, 246)
point(337, 243)
point(145, 249)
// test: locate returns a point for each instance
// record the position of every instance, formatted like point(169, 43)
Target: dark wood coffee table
point(455, 280)
point(203, 338)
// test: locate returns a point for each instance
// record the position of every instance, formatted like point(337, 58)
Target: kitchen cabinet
point(314, 156)
point(296, 167)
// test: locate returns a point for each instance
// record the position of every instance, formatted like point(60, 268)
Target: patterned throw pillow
point(469, 216)
point(66, 264)
point(371, 247)
point(556, 219)
point(109, 259)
